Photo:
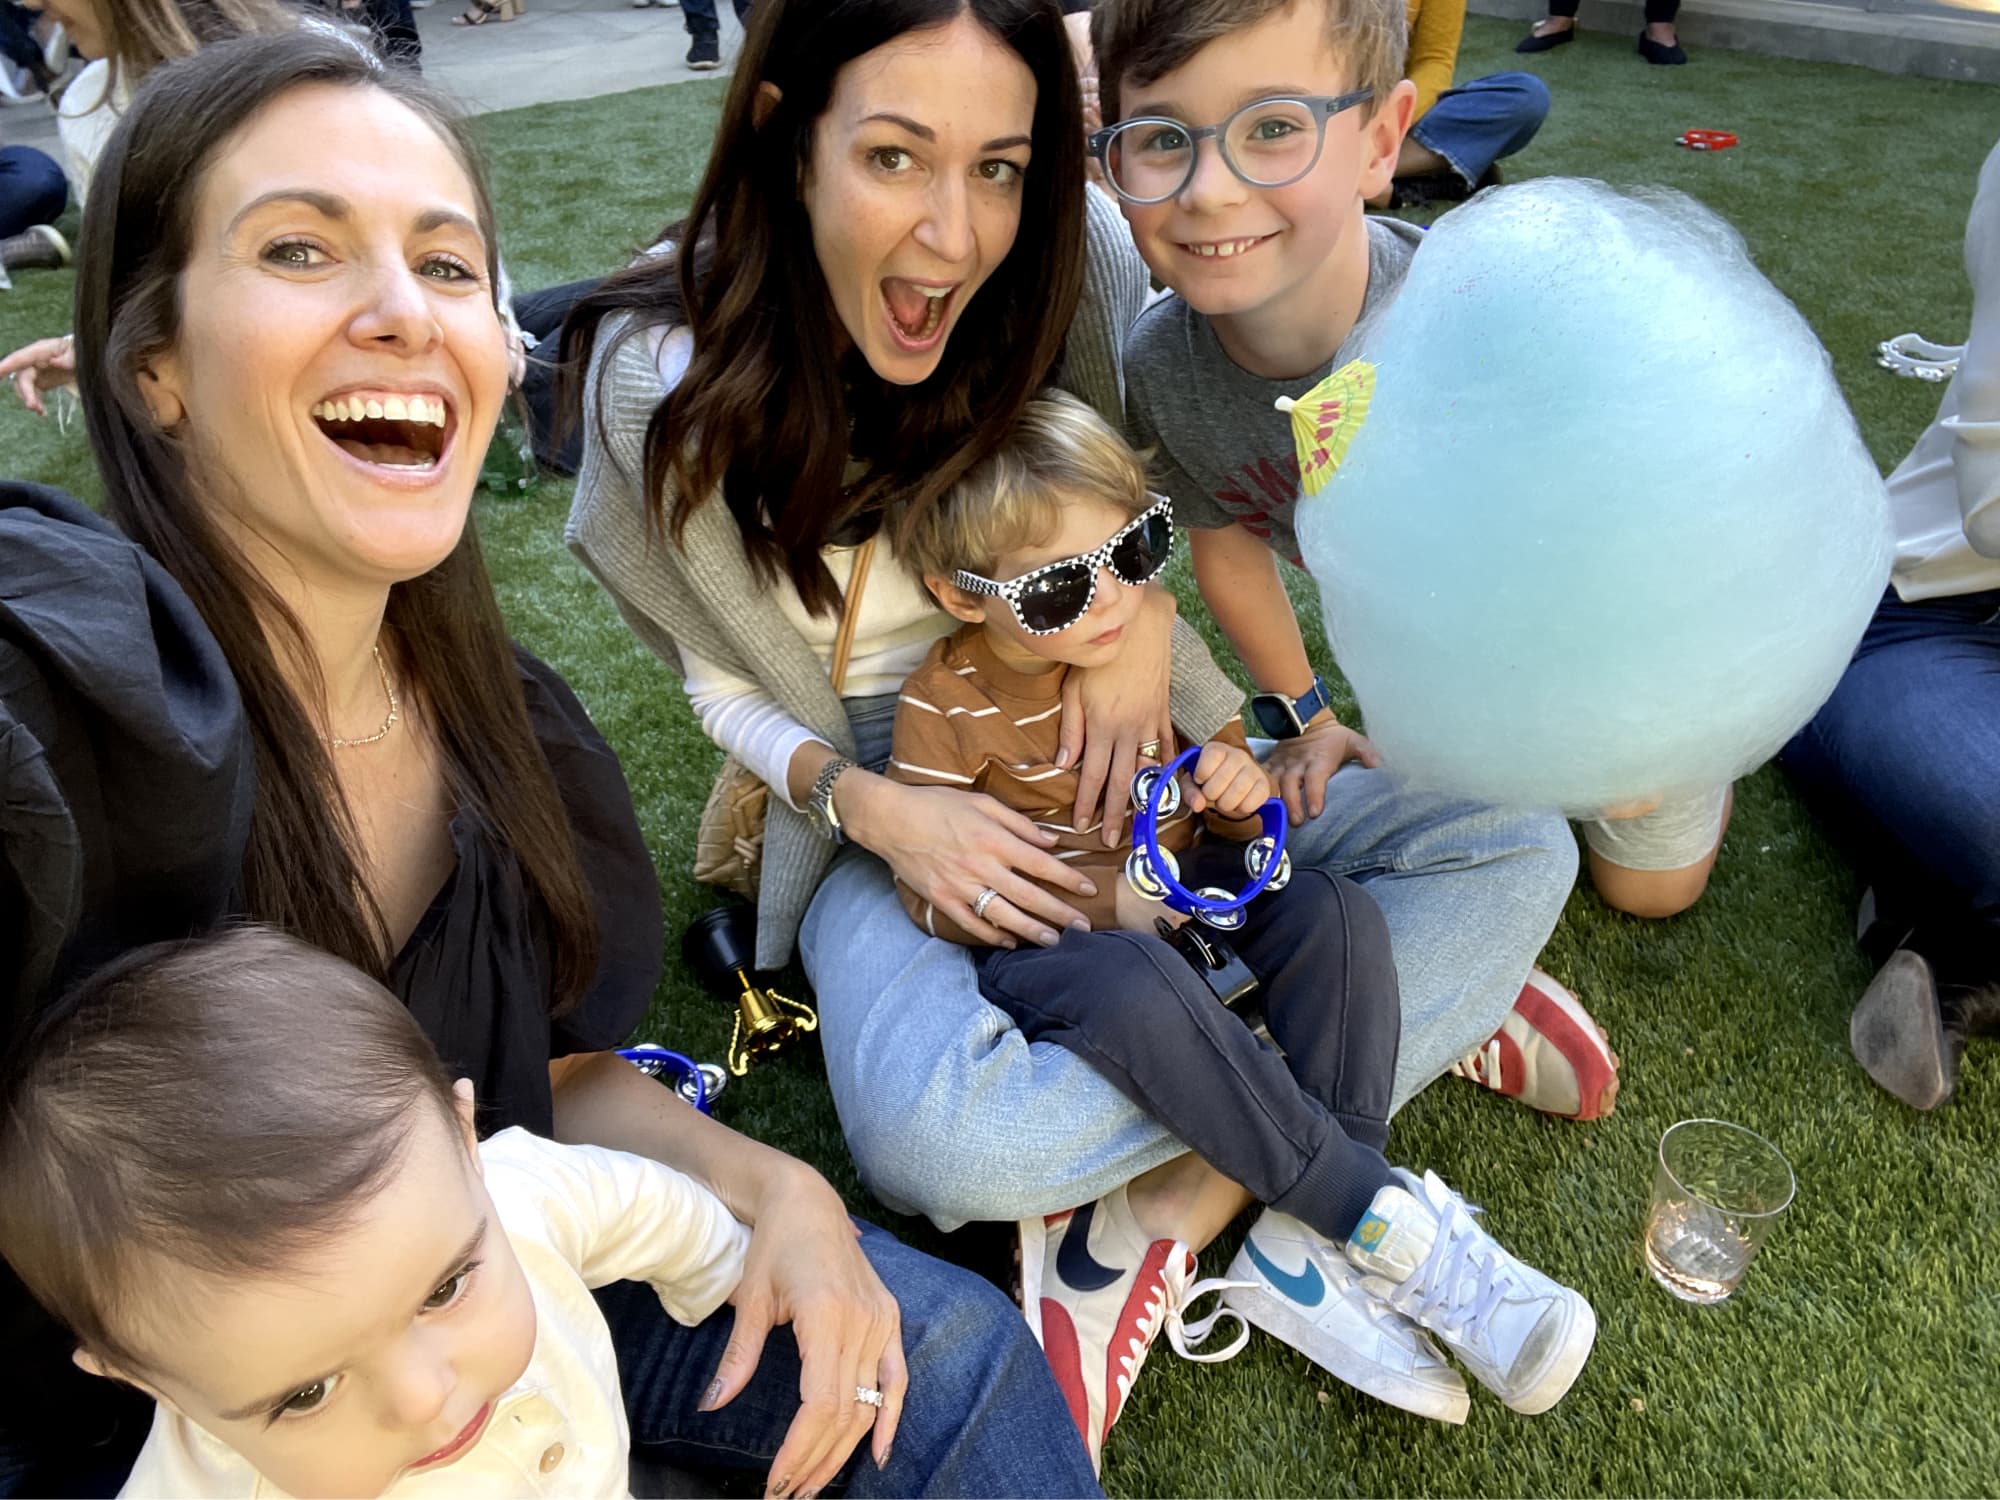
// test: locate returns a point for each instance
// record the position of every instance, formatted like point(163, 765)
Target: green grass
point(1858, 1358)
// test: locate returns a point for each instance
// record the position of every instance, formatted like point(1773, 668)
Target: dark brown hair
point(777, 410)
point(300, 870)
point(223, 1105)
point(1145, 40)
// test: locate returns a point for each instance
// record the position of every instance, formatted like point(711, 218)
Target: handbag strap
point(850, 613)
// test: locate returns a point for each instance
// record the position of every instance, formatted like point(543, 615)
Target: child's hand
point(1229, 782)
point(1301, 766)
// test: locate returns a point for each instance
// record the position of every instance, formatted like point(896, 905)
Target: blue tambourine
point(698, 1083)
point(1154, 872)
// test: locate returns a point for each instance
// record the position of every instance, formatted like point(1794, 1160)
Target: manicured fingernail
point(1062, 756)
point(1079, 925)
point(711, 1396)
point(883, 1461)
point(1090, 888)
point(781, 1488)
point(1046, 937)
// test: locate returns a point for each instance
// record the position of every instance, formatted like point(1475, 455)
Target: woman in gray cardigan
point(886, 192)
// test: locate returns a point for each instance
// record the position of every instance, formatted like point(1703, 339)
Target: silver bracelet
point(821, 799)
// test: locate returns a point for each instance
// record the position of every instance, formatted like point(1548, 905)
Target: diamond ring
point(986, 897)
point(867, 1395)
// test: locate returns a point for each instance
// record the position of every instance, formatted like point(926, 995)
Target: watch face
point(1274, 716)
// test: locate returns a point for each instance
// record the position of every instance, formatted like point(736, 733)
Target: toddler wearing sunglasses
point(1042, 550)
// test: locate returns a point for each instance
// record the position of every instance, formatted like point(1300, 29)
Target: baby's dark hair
point(221, 1105)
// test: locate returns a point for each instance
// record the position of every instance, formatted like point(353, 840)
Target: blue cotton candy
point(1608, 532)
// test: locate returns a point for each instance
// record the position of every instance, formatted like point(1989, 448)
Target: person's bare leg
point(1185, 1199)
point(1656, 893)
point(1663, 32)
point(1550, 25)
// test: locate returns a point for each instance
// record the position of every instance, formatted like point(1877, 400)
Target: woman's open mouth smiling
point(406, 433)
point(917, 309)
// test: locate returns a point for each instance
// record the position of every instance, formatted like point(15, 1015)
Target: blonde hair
point(1059, 450)
point(1147, 39)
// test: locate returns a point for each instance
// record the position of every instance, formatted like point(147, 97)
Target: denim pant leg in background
point(1470, 893)
point(1303, 1130)
point(983, 1415)
point(33, 189)
point(1474, 125)
point(702, 20)
point(1902, 765)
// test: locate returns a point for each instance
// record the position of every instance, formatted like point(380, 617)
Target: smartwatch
point(821, 799)
point(1277, 717)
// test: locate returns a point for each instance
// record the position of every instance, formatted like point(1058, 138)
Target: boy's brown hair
point(1144, 40)
point(219, 1105)
point(1058, 450)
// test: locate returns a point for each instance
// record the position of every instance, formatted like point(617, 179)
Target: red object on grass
point(1706, 140)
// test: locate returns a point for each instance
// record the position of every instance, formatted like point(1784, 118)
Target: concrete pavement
point(559, 49)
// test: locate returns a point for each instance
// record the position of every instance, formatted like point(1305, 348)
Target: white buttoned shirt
point(578, 1217)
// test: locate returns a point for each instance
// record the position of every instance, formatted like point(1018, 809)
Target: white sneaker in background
point(1300, 1288)
point(1523, 1335)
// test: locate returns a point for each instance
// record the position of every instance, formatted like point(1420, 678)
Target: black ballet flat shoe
point(1658, 55)
point(1533, 43)
point(1899, 1033)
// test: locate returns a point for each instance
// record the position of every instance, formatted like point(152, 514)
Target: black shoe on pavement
point(705, 55)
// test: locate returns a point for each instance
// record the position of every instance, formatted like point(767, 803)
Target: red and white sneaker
point(1097, 1293)
point(1549, 1054)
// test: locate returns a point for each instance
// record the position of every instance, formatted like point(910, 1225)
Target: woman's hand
point(949, 845)
point(805, 1268)
point(1301, 766)
point(41, 366)
point(1116, 715)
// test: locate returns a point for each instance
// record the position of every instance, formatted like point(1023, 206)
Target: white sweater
point(1945, 496)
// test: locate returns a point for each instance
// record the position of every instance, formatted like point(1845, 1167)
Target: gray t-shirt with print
point(1222, 451)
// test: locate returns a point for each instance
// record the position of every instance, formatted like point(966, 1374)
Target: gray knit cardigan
point(703, 594)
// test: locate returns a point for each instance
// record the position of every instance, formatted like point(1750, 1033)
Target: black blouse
point(125, 790)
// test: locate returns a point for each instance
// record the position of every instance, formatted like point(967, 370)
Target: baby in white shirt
point(237, 1171)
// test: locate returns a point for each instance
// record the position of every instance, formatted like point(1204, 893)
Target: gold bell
point(765, 1021)
point(720, 946)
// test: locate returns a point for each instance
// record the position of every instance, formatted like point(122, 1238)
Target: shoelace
point(1482, 1066)
point(1464, 1281)
point(1175, 1292)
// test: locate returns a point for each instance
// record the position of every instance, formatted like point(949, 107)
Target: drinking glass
point(1718, 1190)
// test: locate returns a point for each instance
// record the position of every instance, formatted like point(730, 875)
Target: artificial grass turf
point(1856, 1360)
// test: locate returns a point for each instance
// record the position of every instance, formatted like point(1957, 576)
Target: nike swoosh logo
point(1307, 1287)
point(1074, 1262)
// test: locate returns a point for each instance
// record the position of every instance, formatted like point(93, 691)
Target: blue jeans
point(950, 1112)
point(1477, 123)
point(1903, 766)
point(33, 189)
point(1300, 1125)
point(701, 20)
point(983, 1415)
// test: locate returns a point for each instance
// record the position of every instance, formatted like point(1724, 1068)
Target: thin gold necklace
point(395, 710)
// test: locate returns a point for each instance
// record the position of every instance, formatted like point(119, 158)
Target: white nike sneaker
point(1300, 1288)
point(1523, 1335)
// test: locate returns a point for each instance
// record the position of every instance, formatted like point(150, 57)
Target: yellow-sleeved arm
point(1435, 27)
